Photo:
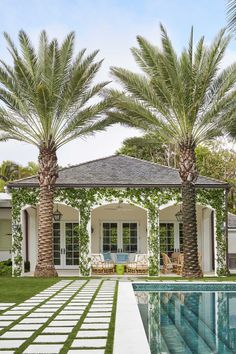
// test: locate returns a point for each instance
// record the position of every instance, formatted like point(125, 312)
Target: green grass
point(111, 331)
point(19, 289)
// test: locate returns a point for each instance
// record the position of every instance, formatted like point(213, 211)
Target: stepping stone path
point(69, 314)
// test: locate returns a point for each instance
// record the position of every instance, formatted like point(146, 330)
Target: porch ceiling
point(118, 171)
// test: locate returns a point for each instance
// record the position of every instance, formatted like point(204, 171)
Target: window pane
point(130, 236)
point(109, 237)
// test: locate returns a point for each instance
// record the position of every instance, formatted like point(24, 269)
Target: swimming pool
point(188, 318)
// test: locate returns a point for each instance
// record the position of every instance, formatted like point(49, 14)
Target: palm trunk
point(47, 177)
point(188, 174)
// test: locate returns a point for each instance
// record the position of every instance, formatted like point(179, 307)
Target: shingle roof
point(119, 171)
point(231, 221)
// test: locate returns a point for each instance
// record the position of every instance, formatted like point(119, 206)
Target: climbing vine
point(86, 199)
point(20, 198)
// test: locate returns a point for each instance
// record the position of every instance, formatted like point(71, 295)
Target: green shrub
point(6, 268)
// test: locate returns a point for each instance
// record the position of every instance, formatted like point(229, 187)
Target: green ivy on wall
point(86, 199)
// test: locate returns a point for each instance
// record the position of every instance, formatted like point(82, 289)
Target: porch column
point(17, 240)
point(153, 242)
point(84, 241)
point(221, 237)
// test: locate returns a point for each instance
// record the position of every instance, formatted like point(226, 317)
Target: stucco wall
point(232, 241)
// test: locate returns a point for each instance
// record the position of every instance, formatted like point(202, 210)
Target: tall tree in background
point(46, 101)
point(185, 100)
point(10, 171)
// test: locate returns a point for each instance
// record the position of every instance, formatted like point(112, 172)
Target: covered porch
point(119, 205)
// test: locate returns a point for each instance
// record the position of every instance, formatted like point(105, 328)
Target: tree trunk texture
point(188, 174)
point(48, 173)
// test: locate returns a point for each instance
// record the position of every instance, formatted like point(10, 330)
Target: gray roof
point(231, 221)
point(119, 171)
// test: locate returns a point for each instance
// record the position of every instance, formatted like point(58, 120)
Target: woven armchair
point(100, 266)
point(140, 264)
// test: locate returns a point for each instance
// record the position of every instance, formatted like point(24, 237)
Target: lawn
point(19, 289)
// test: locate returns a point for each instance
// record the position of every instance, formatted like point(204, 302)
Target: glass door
point(129, 237)
point(109, 237)
point(57, 243)
point(120, 237)
point(71, 244)
point(167, 238)
point(66, 244)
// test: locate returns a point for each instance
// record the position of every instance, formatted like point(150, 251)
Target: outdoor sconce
point(179, 215)
point(92, 230)
point(57, 215)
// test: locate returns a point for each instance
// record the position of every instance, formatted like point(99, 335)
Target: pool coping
point(130, 336)
point(185, 286)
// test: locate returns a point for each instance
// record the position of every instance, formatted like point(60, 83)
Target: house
point(119, 203)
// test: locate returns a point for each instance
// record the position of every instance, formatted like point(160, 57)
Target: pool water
point(190, 320)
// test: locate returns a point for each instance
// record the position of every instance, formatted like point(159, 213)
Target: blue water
point(189, 321)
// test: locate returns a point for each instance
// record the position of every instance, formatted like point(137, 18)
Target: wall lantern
point(179, 215)
point(57, 215)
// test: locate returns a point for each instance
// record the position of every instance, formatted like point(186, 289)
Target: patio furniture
point(122, 258)
point(107, 256)
point(174, 259)
point(97, 263)
point(120, 269)
point(168, 265)
point(140, 264)
point(100, 266)
point(180, 264)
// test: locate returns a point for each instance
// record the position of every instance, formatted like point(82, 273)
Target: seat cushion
point(107, 256)
point(122, 258)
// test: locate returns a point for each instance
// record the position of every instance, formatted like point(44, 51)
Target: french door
point(171, 238)
point(66, 245)
point(119, 236)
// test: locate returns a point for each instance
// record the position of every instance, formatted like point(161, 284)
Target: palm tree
point(231, 14)
point(185, 100)
point(46, 101)
point(9, 171)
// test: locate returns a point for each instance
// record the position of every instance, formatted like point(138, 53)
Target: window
point(130, 237)
point(109, 237)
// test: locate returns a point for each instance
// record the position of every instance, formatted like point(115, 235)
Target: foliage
point(46, 94)
point(213, 160)
point(9, 171)
point(6, 268)
point(150, 147)
point(181, 98)
point(231, 14)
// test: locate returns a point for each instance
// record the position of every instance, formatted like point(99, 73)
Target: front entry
point(66, 245)
point(120, 236)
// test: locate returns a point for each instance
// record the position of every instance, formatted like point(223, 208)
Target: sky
point(110, 26)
